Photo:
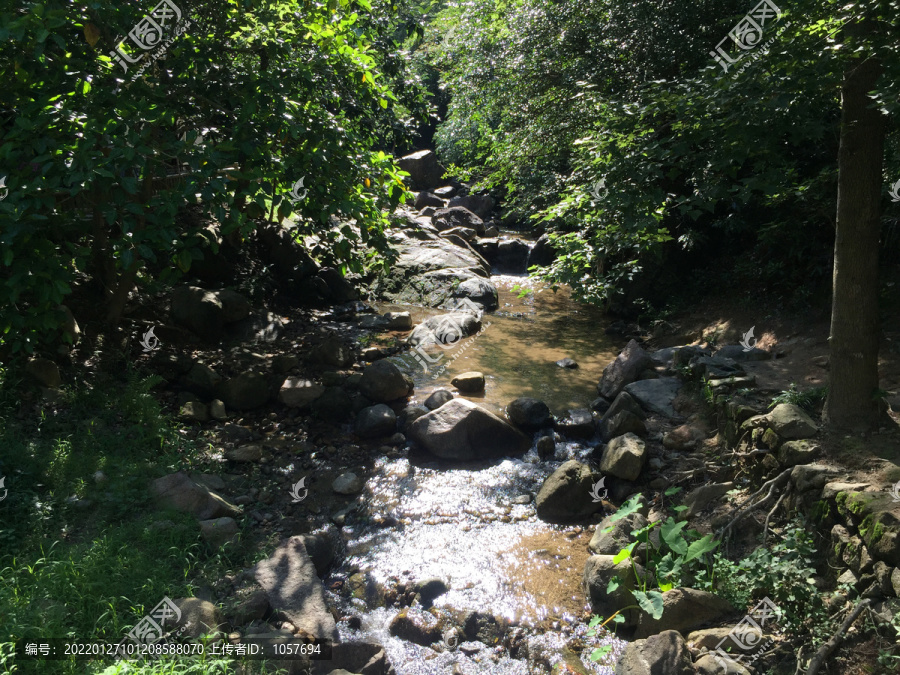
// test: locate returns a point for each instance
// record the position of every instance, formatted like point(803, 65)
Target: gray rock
point(244, 453)
point(512, 255)
point(656, 395)
point(480, 291)
point(445, 329)
point(399, 320)
point(425, 199)
point(333, 406)
point(738, 353)
point(423, 168)
point(429, 589)
point(566, 494)
point(457, 216)
point(624, 457)
point(663, 654)
point(684, 610)
point(252, 608)
point(437, 399)
point(415, 625)
point(218, 531)
point(625, 422)
point(446, 192)
point(806, 477)
point(177, 491)
point(530, 414)
point(791, 423)
point(293, 587)
point(320, 546)
point(698, 499)
point(598, 571)
point(217, 410)
point(383, 382)
point(567, 363)
point(469, 383)
point(299, 392)
point(610, 543)
point(44, 372)
point(623, 370)
point(579, 423)
point(409, 415)
point(481, 205)
point(793, 453)
point(466, 233)
point(684, 437)
point(235, 307)
point(332, 352)
point(708, 664)
point(460, 429)
point(600, 405)
point(245, 392)
point(377, 420)
point(542, 253)
point(199, 617)
point(194, 411)
point(201, 380)
point(200, 311)
point(348, 484)
point(546, 447)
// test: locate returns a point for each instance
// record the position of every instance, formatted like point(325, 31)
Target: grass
point(92, 569)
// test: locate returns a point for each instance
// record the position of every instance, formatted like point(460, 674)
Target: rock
point(624, 457)
point(429, 589)
point(438, 398)
point(683, 438)
point(245, 392)
point(481, 205)
point(377, 420)
point(199, 617)
point(793, 453)
point(529, 413)
point(610, 543)
point(415, 625)
point(791, 423)
point(194, 411)
point(364, 658)
point(293, 587)
point(566, 494)
point(711, 639)
point(663, 654)
point(542, 253)
point(288, 257)
point(200, 311)
point(579, 423)
point(333, 406)
point(348, 484)
point(44, 372)
point(298, 392)
point(425, 199)
point(460, 429)
point(383, 382)
point(320, 546)
point(598, 571)
point(217, 410)
point(235, 307)
point(177, 491)
point(480, 291)
point(244, 453)
point(482, 627)
point(253, 608)
point(546, 447)
point(446, 192)
point(656, 395)
point(466, 233)
point(399, 320)
point(70, 331)
point(699, 498)
point(708, 664)
point(284, 363)
point(201, 380)
point(218, 531)
point(895, 581)
point(685, 609)
point(410, 414)
point(511, 256)
point(332, 352)
point(445, 330)
point(625, 422)
point(623, 370)
point(491, 232)
point(469, 383)
point(423, 168)
point(738, 353)
point(457, 216)
point(807, 477)
point(567, 363)
point(339, 288)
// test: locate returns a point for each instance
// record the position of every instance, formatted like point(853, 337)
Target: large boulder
point(656, 396)
point(566, 494)
point(481, 205)
point(445, 329)
point(383, 382)
point(663, 654)
point(625, 369)
point(298, 392)
point(624, 457)
point(529, 413)
point(457, 216)
point(610, 543)
point(424, 170)
point(206, 312)
point(684, 610)
point(44, 372)
point(598, 572)
point(425, 199)
point(293, 587)
point(511, 256)
point(791, 423)
point(177, 491)
point(459, 429)
point(542, 253)
point(245, 392)
point(377, 420)
point(480, 291)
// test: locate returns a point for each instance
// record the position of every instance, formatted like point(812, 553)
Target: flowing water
point(474, 525)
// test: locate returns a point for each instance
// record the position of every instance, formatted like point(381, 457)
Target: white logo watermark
point(295, 490)
point(295, 191)
point(447, 334)
point(595, 491)
point(152, 628)
point(746, 35)
point(894, 192)
point(895, 491)
point(745, 342)
point(148, 33)
point(150, 341)
point(451, 639)
point(4, 191)
point(3, 485)
point(748, 634)
point(599, 191)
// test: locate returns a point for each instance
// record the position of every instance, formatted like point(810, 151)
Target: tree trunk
point(855, 325)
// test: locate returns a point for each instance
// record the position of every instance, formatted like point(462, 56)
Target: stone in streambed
point(685, 609)
point(566, 494)
point(567, 363)
point(624, 457)
point(348, 484)
point(663, 654)
point(438, 398)
point(530, 414)
point(218, 531)
point(624, 370)
point(298, 392)
point(374, 421)
point(415, 625)
point(469, 383)
point(383, 382)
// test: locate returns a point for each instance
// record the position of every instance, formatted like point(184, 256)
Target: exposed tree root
point(771, 485)
point(825, 650)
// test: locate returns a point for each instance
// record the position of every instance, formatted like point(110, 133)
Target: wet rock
point(415, 625)
point(684, 437)
point(320, 546)
point(698, 499)
point(199, 617)
point(333, 406)
point(467, 234)
point(460, 429)
point(656, 395)
point(298, 392)
point(478, 290)
point(332, 352)
point(252, 608)
point(598, 571)
point(610, 543)
point(245, 453)
point(579, 423)
point(177, 491)
point(348, 484)
point(429, 589)
point(546, 446)
point(409, 415)
point(529, 413)
point(624, 457)
point(567, 363)
point(364, 658)
point(201, 380)
point(469, 383)
point(423, 168)
point(194, 411)
point(457, 216)
point(481, 205)
point(791, 423)
point(482, 627)
point(425, 199)
point(377, 420)
point(663, 654)
point(566, 494)
point(383, 382)
point(685, 609)
point(399, 320)
point(600, 405)
point(625, 422)
point(290, 581)
point(445, 329)
point(542, 253)
point(218, 531)
point(623, 370)
point(44, 372)
point(217, 410)
point(793, 453)
point(245, 392)
point(437, 399)
point(511, 256)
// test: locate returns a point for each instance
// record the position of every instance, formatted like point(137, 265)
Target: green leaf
point(700, 547)
point(625, 553)
point(613, 585)
point(670, 532)
point(651, 602)
point(629, 507)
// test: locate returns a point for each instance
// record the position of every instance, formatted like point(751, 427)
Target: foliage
point(809, 400)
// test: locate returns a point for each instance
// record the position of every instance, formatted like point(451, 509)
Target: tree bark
point(855, 325)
